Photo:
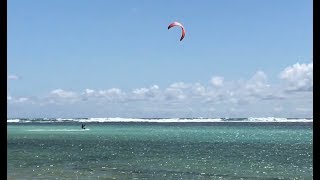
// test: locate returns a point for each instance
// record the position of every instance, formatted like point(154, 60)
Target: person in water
point(83, 126)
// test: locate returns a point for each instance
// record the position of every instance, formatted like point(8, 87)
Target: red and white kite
point(178, 24)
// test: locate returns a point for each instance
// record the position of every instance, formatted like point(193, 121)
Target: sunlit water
point(160, 151)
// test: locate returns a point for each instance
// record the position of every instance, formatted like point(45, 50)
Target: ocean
point(122, 148)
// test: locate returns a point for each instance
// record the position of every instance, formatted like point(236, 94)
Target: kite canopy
point(182, 28)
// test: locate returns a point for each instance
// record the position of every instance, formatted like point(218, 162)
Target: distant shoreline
point(156, 120)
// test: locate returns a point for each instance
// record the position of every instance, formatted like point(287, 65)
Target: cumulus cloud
point(188, 91)
point(179, 85)
point(239, 92)
point(298, 77)
point(11, 99)
point(111, 93)
point(59, 97)
point(13, 77)
point(174, 94)
point(63, 94)
point(198, 90)
point(146, 93)
point(217, 96)
point(217, 81)
point(22, 99)
point(257, 84)
point(89, 91)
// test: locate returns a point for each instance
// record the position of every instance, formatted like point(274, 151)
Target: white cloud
point(198, 90)
point(141, 91)
point(17, 100)
point(89, 91)
point(13, 77)
point(217, 81)
point(179, 85)
point(255, 95)
point(63, 94)
point(258, 81)
point(174, 94)
point(180, 91)
point(113, 92)
point(175, 91)
point(299, 77)
point(257, 84)
point(103, 95)
point(146, 93)
point(22, 99)
point(259, 76)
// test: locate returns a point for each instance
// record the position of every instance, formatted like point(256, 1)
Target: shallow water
point(160, 151)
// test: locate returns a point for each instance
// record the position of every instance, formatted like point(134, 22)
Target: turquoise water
point(160, 151)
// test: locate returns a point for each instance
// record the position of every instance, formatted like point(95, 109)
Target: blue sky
point(117, 58)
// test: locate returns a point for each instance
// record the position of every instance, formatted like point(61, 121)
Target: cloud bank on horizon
point(292, 97)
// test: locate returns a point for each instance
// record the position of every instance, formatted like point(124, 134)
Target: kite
point(182, 28)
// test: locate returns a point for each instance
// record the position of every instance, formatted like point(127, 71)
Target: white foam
point(177, 120)
point(13, 120)
point(165, 120)
point(148, 120)
point(274, 119)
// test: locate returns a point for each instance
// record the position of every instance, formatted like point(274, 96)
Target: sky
point(98, 58)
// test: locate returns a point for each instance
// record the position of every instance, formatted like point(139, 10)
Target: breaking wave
point(157, 120)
